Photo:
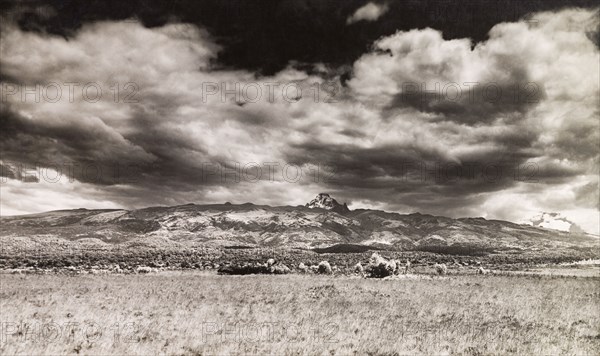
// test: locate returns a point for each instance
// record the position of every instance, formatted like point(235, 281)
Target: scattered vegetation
point(358, 268)
point(250, 260)
point(379, 267)
point(441, 268)
point(270, 267)
point(324, 268)
point(303, 268)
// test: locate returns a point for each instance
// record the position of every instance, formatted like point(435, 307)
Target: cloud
point(555, 221)
point(368, 12)
point(170, 126)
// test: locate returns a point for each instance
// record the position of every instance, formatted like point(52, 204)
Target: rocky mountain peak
point(325, 201)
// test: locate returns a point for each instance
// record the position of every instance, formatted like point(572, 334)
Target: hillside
point(227, 225)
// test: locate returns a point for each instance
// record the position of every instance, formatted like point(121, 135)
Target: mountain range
point(321, 223)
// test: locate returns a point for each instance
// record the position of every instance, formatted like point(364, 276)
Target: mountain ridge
point(309, 226)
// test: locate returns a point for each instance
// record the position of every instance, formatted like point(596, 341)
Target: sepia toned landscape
point(299, 177)
point(285, 281)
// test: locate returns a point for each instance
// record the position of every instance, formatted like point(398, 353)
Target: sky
point(481, 109)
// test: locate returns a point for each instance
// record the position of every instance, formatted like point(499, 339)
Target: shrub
point(280, 269)
point(255, 268)
point(303, 268)
point(324, 268)
point(244, 269)
point(145, 269)
point(358, 268)
point(379, 267)
point(441, 268)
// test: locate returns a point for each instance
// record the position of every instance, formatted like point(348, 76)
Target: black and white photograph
point(299, 177)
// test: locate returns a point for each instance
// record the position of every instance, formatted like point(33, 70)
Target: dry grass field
point(200, 313)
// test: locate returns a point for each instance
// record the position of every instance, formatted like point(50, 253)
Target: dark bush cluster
point(379, 267)
point(270, 267)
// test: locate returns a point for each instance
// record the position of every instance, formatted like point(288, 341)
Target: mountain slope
point(285, 226)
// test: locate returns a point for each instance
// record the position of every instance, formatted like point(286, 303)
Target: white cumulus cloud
point(368, 12)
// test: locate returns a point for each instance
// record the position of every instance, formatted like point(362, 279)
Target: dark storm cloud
point(265, 36)
point(410, 168)
point(149, 156)
point(88, 153)
point(483, 103)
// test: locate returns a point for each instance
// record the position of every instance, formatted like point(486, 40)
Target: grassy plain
point(200, 313)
